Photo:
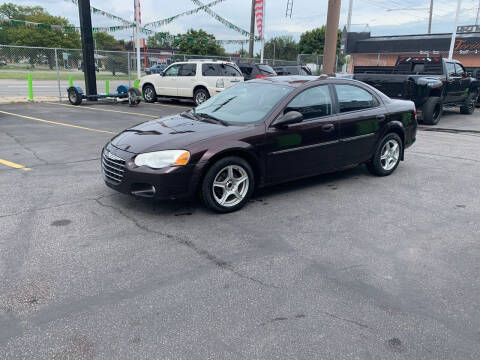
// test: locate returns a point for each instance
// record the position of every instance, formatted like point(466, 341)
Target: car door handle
point(328, 127)
point(234, 80)
point(380, 117)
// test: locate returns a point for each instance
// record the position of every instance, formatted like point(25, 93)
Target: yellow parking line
point(57, 123)
point(13, 165)
point(109, 110)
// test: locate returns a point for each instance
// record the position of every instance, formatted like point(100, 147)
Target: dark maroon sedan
point(259, 133)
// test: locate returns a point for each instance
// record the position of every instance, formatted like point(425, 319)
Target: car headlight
point(161, 159)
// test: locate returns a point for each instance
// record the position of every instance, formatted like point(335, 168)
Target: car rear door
point(309, 147)
point(166, 85)
point(464, 82)
point(186, 79)
point(360, 115)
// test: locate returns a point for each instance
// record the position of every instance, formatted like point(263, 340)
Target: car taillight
point(415, 113)
point(261, 76)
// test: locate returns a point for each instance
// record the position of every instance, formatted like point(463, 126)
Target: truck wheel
point(432, 110)
point(469, 107)
point(149, 93)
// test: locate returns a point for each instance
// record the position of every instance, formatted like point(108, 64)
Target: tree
point(114, 62)
point(312, 42)
point(160, 40)
point(198, 43)
point(36, 36)
point(285, 48)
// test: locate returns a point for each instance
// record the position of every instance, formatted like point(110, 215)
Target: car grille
point(113, 167)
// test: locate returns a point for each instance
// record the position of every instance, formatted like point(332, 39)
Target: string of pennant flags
point(167, 37)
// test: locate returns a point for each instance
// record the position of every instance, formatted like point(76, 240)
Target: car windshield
point(244, 103)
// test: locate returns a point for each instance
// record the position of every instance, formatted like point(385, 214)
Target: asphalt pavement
point(341, 266)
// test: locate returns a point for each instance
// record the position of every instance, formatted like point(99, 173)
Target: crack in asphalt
point(56, 206)
point(347, 320)
point(451, 131)
point(33, 152)
point(191, 245)
point(445, 156)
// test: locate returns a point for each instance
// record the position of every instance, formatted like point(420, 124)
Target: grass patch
point(22, 75)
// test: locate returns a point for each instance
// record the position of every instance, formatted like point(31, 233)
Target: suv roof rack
point(201, 60)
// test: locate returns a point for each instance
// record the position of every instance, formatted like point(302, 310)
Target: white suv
point(197, 80)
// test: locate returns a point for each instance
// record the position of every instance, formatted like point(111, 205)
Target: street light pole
point(349, 17)
point(252, 31)
point(478, 13)
point(87, 47)
point(430, 16)
point(454, 34)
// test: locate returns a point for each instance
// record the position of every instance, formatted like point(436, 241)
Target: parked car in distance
point(259, 133)
point(431, 82)
point(292, 70)
point(155, 69)
point(256, 71)
point(198, 80)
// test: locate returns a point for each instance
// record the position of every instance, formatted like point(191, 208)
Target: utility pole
point(349, 17)
point(252, 31)
point(331, 34)
point(87, 47)
point(478, 13)
point(430, 16)
point(454, 34)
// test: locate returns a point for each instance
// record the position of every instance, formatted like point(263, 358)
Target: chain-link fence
point(53, 70)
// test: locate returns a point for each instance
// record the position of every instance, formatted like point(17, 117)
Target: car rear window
point(266, 70)
point(247, 70)
point(229, 70)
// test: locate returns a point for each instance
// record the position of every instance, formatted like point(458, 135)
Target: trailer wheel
point(432, 110)
point(74, 96)
point(134, 96)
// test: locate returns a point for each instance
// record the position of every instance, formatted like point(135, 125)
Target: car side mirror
point(162, 73)
point(291, 117)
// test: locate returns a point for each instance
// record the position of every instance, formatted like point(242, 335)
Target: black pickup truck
point(432, 83)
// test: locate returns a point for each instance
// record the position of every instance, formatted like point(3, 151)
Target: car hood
point(170, 133)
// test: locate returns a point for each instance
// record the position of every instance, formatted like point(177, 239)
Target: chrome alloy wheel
point(148, 94)
point(200, 97)
point(390, 154)
point(230, 185)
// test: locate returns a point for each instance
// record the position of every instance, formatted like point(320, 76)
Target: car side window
point(172, 70)
point(188, 70)
point(229, 70)
point(210, 70)
point(459, 70)
point(353, 98)
point(450, 69)
point(312, 103)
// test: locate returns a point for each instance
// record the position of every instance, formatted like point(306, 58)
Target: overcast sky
point(307, 14)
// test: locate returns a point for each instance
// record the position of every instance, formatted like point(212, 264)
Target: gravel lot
point(342, 266)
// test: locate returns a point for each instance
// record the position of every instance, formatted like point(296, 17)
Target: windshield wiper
point(211, 119)
point(189, 115)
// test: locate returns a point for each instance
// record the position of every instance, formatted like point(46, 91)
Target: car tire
point(387, 155)
point(149, 93)
point(200, 95)
point(432, 110)
point(469, 107)
point(227, 185)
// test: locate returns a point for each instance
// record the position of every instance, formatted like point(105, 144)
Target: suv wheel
point(149, 93)
point(387, 155)
point(200, 96)
point(469, 107)
point(432, 110)
point(228, 185)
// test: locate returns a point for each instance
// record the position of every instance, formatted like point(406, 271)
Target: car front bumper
point(168, 183)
